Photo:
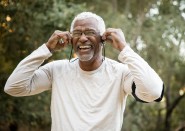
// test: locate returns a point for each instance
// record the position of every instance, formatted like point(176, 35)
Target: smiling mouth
point(84, 47)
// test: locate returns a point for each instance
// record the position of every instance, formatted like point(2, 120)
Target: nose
point(83, 38)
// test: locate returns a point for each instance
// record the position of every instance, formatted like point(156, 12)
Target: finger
point(69, 37)
point(107, 33)
point(64, 37)
point(109, 39)
point(56, 36)
point(58, 32)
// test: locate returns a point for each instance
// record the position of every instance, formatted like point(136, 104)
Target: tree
point(25, 25)
point(154, 29)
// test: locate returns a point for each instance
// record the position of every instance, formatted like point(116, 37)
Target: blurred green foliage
point(153, 28)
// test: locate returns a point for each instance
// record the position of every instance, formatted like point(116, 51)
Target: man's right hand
point(58, 40)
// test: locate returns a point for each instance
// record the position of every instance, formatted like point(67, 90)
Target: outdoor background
point(155, 29)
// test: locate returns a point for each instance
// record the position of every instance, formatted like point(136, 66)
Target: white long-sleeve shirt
point(86, 100)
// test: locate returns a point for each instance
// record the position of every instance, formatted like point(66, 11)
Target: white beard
point(85, 57)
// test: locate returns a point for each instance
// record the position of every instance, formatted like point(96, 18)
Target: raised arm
point(28, 78)
point(141, 81)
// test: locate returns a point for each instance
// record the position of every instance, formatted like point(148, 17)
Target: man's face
point(86, 39)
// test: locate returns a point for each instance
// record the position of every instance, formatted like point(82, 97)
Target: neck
point(91, 65)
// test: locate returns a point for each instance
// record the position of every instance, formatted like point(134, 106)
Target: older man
point(88, 93)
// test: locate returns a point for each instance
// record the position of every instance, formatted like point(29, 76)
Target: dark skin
point(94, 41)
point(91, 57)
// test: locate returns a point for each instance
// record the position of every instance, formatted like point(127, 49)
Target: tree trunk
point(115, 6)
point(170, 106)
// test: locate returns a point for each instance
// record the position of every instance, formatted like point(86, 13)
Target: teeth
point(84, 47)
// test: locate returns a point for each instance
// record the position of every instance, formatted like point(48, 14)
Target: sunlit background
point(155, 29)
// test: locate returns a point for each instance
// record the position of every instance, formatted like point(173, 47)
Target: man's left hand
point(115, 37)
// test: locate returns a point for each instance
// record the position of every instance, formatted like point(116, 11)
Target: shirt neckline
point(90, 72)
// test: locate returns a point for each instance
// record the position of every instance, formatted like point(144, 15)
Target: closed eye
point(90, 33)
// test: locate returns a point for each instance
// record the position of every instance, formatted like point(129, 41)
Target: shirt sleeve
point(141, 80)
point(27, 78)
